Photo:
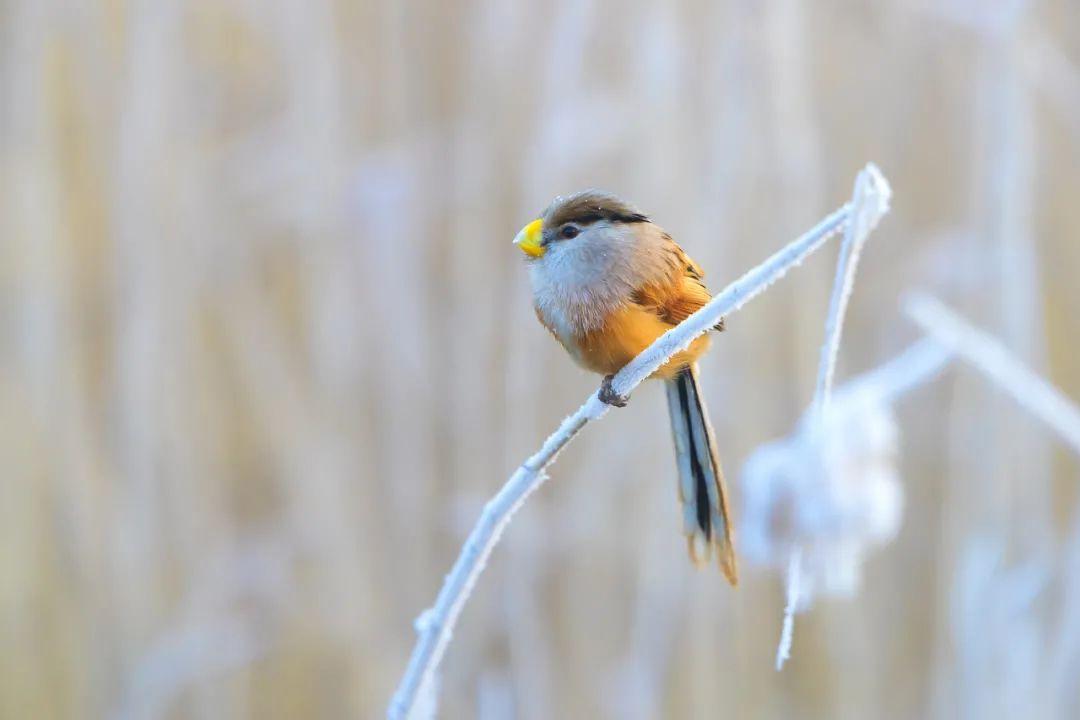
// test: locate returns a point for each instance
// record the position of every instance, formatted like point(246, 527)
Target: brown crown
point(589, 206)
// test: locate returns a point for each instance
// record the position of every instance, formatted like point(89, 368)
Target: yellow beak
point(529, 239)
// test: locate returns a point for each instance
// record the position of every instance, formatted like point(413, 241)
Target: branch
point(871, 197)
point(869, 203)
point(987, 355)
point(783, 650)
point(435, 626)
point(915, 366)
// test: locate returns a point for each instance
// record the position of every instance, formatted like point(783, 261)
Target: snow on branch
point(869, 203)
point(435, 625)
point(987, 355)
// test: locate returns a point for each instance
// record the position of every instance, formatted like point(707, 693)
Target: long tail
point(706, 520)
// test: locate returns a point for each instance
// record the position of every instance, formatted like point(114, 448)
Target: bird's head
point(580, 224)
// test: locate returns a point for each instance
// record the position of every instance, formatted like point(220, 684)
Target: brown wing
point(679, 295)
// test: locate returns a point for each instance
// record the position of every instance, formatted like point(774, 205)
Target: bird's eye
point(569, 231)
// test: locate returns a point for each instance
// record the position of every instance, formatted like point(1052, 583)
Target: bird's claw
point(608, 395)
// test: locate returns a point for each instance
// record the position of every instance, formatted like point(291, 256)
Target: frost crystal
point(423, 621)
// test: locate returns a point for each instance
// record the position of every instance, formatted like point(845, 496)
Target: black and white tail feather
point(702, 491)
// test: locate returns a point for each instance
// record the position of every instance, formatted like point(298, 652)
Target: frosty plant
point(1002, 614)
point(815, 503)
point(435, 625)
point(867, 207)
point(987, 355)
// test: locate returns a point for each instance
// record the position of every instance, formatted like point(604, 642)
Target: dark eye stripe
point(589, 217)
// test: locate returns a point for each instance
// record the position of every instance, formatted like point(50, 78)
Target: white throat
point(577, 284)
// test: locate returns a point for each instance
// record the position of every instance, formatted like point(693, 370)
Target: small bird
point(606, 283)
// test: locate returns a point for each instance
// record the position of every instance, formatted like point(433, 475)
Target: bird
point(606, 282)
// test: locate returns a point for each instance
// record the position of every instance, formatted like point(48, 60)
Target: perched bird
point(606, 283)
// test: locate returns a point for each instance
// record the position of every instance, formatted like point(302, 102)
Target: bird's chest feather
point(572, 300)
point(587, 305)
point(605, 347)
point(571, 319)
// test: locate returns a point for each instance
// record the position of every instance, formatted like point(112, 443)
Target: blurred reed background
point(266, 348)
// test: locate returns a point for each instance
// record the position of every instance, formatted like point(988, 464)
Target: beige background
point(265, 349)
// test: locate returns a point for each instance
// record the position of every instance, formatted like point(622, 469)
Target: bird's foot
point(719, 327)
point(608, 395)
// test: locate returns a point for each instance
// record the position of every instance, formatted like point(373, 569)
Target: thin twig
point(987, 355)
point(918, 364)
point(871, 197)
point(869, 203)
point(435, 626)
point(783, 651)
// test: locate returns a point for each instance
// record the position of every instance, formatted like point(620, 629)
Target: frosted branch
point(916, 365)
point(435, 626)
point(783, 650)
point(987, 355)
point(869, 203)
